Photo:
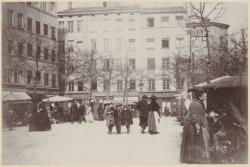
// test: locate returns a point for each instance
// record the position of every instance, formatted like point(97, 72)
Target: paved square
point(91, 144)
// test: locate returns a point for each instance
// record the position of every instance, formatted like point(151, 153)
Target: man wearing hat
point(117, 117)
point(143, 113)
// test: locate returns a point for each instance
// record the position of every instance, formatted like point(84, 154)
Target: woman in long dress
point(109, 113)
point(154, 116)
point(89, 116)
point(195, 137)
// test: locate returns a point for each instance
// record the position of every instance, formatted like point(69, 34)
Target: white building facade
point(147, 38)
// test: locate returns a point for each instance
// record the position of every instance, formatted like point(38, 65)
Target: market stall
point(227, 101)
point(16, 106)
point(58, 107)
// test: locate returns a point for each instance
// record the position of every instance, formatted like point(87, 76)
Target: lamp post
point(141, 86)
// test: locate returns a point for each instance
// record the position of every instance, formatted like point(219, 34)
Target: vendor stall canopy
point(57, 99)
point(15, 96)
point(225, 81)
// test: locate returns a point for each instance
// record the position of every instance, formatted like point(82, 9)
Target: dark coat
point(142, 106)
point(82, 110)
point(117, 116)
point(153, 106)
point(126, 117)
point(44, 120)
point(100, 112)
point(74, 109)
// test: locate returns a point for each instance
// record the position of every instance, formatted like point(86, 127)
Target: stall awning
point(225, 81)
point(15, 96)
point(57, 99)
point(129, 99)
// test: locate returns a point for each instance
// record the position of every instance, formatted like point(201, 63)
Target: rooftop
point(210, 23)
point(93, 10)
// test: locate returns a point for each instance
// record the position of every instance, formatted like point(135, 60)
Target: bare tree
point(86, 65)
point(37, 58)
point(230, 56)
point(202, 15)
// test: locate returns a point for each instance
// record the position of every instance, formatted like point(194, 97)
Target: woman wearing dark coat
point(195, 137)
point(100, 112)
point(126, 118)
point(154, 116)
point(44, 122)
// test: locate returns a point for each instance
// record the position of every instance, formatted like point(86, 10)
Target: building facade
point(146, 39)
point(29, 48)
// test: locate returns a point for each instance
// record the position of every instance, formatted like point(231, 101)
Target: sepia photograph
point(143, 82)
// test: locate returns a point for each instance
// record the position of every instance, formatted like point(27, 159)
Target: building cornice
point(121, 9)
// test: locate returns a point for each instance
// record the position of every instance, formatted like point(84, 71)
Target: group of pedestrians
point(81, 112)
point(118, 116)
point(149, 114)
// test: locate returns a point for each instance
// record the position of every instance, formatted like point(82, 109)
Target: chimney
point(104, 4)
point(69, 5)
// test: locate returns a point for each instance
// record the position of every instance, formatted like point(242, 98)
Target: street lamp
point(141, 86)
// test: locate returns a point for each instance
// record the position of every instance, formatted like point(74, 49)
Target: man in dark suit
point(143, 113)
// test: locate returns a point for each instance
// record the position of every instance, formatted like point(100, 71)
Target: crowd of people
point(121, 115)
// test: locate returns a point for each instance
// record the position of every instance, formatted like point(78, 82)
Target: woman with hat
point(195, 137)
point(109, 113)
point(154, 115)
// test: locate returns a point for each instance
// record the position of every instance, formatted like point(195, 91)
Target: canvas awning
point(129, 99)
point(57, 99)
point(225, 81)
point(15, 96)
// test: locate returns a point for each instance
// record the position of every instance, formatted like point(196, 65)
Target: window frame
point(150, 22)
point(163, 40)
point(38, 27)
point(10, 17)
point(29, 24)
point(151, 84)
point(45, 29)
point(151, 64)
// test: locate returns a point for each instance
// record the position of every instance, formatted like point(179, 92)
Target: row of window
point(151, 20)
point(79, 23)
point(119, 85)
point(32, 51)
point(29, 24)
point(131, 44)
point(165, 64)
point(17, 76)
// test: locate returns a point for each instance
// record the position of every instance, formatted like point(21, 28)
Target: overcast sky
point(236, 16)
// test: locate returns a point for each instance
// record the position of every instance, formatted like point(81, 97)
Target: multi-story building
point(29, 48)
point(146, 38)
point(218, 42)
